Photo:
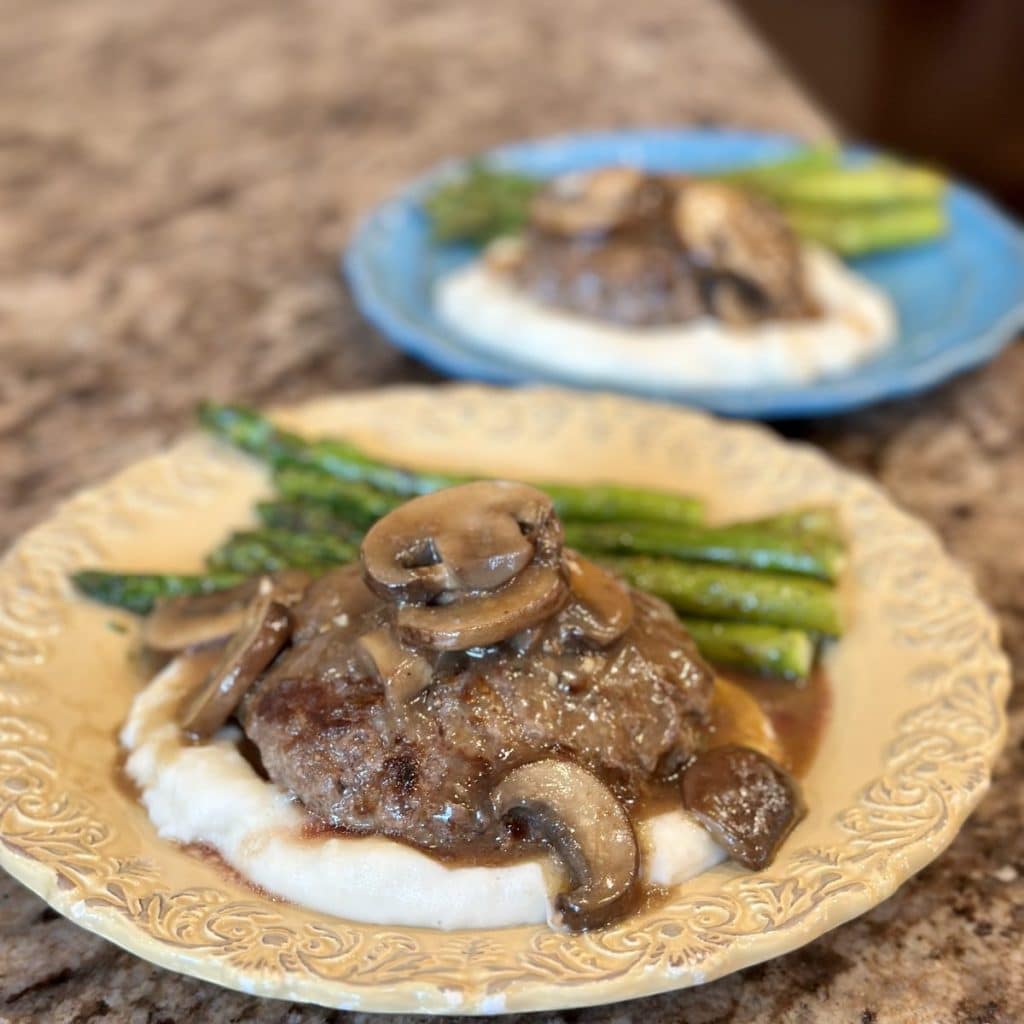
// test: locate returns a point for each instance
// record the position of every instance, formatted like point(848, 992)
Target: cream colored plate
point(919, 686)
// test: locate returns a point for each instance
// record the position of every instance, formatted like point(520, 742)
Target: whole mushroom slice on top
point(469, 566)
point(579, 818)
point(472, 537)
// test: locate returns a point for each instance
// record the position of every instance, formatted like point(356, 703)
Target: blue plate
point(959, 300)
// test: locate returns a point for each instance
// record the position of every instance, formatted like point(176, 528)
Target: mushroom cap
point(745, 800)
point(194, 621)
point(587, 203)
point(476, 536)
point(579, 818)
point(469, 566)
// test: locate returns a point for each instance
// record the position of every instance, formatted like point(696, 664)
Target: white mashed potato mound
point(493, 315)
point(210, 794)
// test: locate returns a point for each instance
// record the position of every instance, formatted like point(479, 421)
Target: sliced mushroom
point(473, 537)
point(745, 800)
point(195, 621)
point(602, 609)
point(264, 632)
point(587, 203)
point(403, 672)
point(289, 586)
point(339, 599)
point(734, 300)
point(580, 819)
point(483, 619)
point(752, 256)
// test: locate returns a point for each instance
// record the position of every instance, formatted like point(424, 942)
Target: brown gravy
point(205, 852)
point(799, 714)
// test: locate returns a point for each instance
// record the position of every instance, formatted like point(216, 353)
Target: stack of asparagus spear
point(757, 595)
point(853, 209)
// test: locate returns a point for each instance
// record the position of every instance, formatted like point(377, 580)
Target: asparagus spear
point(306, 517)
point(814, 520)
point(876, 205)
point(829, 202)
point(305, 514)
point(362, 504)
point(139, 592)
point(812, 158)
point(874, 183)
point(355, 503)
point(250, 552)
point(719, 592)
point(750, 647)
point(692, 588)
point(487, 203)
point(742, 545)
point(253, 433)
point(858, 232)
point(484, 204)
point(611, 502)
point(816, 524)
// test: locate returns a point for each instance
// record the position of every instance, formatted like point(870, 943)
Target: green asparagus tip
point(769, 651)
point(239, 424)
point(139, 592)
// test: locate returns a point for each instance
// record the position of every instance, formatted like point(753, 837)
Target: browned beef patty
point(744, 268)
point(634, 281)
point(422, 771)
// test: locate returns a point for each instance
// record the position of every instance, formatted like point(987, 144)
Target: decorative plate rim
point(842, 393)
point(56, 839)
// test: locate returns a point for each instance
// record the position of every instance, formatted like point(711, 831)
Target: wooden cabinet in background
point(939, 79)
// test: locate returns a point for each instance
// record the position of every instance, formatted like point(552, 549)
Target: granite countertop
point(179, 178)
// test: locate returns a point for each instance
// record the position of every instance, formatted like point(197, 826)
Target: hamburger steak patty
point(422, 770)
point(670, 251)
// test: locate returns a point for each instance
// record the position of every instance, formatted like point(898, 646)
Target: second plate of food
point(407, 743)
point(735, 271)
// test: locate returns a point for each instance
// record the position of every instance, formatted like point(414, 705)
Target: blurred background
point(179, 178)
point(935, 79)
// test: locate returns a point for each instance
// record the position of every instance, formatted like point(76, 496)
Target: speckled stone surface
point(178, 178)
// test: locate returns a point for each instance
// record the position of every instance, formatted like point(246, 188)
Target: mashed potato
point(210, 794)
point(493, 315)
